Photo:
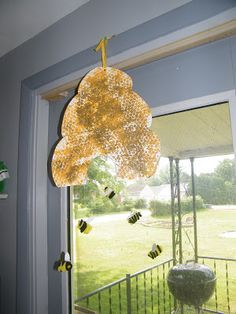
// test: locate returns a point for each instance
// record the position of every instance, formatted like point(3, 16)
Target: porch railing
point(224, 298)
point(146, 291)
point(143, 292)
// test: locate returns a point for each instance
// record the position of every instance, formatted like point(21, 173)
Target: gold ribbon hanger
point(102, 46)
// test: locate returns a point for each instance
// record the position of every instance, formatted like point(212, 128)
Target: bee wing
point(90, 219)
point(154, 247)
point(98, 184)
point(67, 257)
point(131, 214)
point(103, 187)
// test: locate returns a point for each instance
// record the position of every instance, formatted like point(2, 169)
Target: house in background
point(176, 51)
point(149, 192)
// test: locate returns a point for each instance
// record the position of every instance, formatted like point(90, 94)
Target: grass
point(116, 248)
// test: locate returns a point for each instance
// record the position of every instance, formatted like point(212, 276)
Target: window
point(115, 247)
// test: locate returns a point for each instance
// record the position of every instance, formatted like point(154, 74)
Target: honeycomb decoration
point(105, 118)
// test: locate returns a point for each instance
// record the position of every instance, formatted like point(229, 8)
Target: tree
point(218, 187)
point(210, 188)
point(226, 170)
point(163, 176)
point(91, 194)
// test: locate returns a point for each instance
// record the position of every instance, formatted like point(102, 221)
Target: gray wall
point(200, 71)
point(77, 32)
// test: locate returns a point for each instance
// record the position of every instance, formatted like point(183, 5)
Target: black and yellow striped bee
point(84, 226)
point(109, 192)
point(156, 251)
point(64, 264)
point(134, 217)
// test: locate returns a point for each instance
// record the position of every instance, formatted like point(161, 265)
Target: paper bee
point(109, 192)
point(84, 226)
point(134, 217)
point(64, 264)
point(106, 191)
point(156, 251)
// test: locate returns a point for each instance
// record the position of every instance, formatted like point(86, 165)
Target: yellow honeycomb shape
point(105, 118)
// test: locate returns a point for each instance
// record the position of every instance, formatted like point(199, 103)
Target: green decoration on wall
point(3, 176)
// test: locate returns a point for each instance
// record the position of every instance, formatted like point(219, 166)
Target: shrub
point(101, 206)
point(159, 208)
point(187, 204)
point(80, 211)
point(127, 205)
point(141, 203)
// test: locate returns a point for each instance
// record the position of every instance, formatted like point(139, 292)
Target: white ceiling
point(195, 133)
point(21, 20)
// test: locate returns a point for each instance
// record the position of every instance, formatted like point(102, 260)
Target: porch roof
point(199, 132)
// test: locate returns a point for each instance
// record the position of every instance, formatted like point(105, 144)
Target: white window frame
point(37, 191)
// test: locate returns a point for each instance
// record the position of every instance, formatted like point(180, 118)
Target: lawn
point(115, 248)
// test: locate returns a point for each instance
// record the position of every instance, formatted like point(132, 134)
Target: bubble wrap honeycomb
point(105, 118)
